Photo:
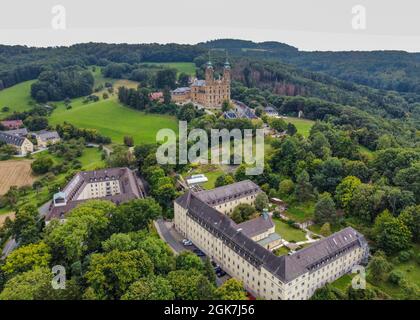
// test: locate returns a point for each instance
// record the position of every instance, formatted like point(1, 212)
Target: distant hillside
point(387, 70)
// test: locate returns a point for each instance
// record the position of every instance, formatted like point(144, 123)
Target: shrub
point(405, 256)
point(395, 277)
point(42, 165)
point(286, 187)
point(325, 229)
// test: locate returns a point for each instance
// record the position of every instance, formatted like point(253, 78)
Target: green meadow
point(110, 117)
point(17, 98)
point(186, 67)
point(303, 126)
point(114, 120)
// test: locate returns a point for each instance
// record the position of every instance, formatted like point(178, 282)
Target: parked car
point(188, 243)
point(221, 273)
point(199, 253)
point(250, 296)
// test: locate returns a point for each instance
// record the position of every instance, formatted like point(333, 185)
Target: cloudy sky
point(306, 24)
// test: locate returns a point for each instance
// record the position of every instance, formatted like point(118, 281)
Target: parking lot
point(168, 233)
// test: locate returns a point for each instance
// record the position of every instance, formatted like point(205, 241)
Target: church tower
point(209, 73)
point(226, 72)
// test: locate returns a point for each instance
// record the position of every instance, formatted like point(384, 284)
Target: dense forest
point(58, 85)
point(387, 70)
point(20, 63)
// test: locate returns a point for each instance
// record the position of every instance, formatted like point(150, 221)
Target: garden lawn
point(342, 283)
point(210, 171)
point(212, 176)
point(17, 98)
point(316, 228)
point(281, 251)
point(300, 212)
point(289, 233)
point(91, 159)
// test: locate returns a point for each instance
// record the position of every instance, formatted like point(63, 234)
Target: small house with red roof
point(156, 96)
point(12, 124)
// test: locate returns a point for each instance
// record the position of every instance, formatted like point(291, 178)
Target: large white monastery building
point(203, 217)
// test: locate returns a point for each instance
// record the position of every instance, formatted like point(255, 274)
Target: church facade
point(210, 93)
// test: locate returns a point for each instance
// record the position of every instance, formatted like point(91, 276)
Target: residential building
point(243, 111)
point(156, 96)
point(201, 217)
point(115, 184)
point(12, 124)
point(181, 95)
point(23, 146)
point(22, 132)
point(271, 111)
point(46, 138)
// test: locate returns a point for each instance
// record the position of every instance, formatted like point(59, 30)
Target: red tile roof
point(12, 124)
point(156, 95)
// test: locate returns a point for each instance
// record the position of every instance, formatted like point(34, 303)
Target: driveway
point(168, 233)
point(8, 247)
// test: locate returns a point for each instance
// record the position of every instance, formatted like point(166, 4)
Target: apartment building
point(23, 145)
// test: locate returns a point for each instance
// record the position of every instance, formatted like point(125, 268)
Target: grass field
point(186, 67)
point(289, 233)
point(91, 159)
point(114, 120)
point(111, 118)
point(303, 126)
point(15, 173)
point(17, 98)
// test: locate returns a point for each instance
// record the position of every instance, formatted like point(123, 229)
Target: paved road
point(43, 210)
point(167, 232)
point(8, 247)
point(11, 243)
